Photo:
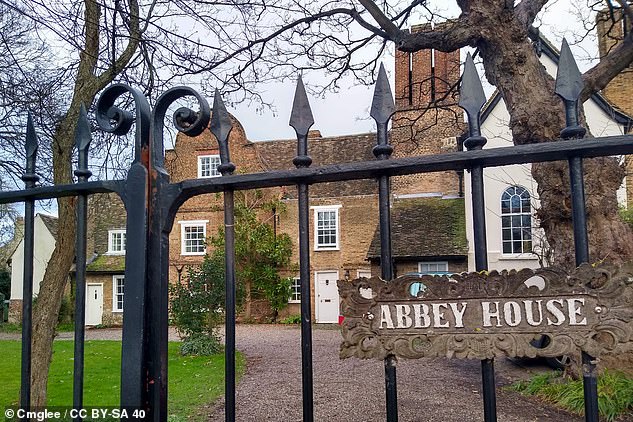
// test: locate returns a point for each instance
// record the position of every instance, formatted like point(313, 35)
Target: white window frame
point(363, 273)
point(326, 208)
point(192, 223)
point(210, 157)
point(437, 263)
point(523, 254)
point(115, 293)
point(297, 281)
point(111, 234)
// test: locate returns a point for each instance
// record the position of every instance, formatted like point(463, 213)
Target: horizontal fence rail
point(152, 201)
point(487, 158)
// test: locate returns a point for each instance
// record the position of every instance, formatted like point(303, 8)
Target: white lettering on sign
point(556, 312)
point(500, 313)
point(529, 312)
point(488, 314)
point(421, 313)
point(402, 316)
point(385, 316)
point(459, 315)
point(574, 312)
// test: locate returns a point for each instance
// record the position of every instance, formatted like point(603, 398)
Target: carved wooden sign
point(474, 315)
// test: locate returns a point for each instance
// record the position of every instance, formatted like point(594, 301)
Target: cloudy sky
point(347, 111)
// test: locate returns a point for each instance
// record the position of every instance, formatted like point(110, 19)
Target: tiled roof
point(107, 264)
point(278, 155)
point(425, 227)
point(51, 224)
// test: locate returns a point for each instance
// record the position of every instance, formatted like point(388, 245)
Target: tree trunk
point(87, 84)
point(46, 310)
point(537, 115)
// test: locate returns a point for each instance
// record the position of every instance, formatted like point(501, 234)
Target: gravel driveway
point(353, 390)
point(429, 390)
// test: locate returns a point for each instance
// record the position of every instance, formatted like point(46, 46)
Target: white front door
point(327, 300)
point(94, 304)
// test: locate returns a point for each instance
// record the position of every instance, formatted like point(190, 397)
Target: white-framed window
point(193, 236)
point(118, 283)
point(326, 227)
point(208, 166)
point(516, 221)
point(364, 273)
point(433, 267)
point(116, 242)
point(295, 291)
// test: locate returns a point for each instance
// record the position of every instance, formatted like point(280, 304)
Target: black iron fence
point(152, 201)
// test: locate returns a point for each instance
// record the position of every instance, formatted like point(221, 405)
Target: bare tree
point(241, 44)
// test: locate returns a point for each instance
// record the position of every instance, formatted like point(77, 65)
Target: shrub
point(615, 392)
point(5, 283)
point(200, 345)
point(292, 319)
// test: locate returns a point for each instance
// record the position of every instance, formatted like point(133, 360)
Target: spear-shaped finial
point(221, 127)
point(29, 177)
point(82, 141)
point(382, 108)
point(569, 85)
point(471, 92)
point(568, 78)
point(471, 99)
point(301, 120)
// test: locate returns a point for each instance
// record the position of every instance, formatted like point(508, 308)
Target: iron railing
point(152, 202)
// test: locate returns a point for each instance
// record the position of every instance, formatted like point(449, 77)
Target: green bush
point(615, 392)
point(292, 319)
point(5, 283)
point(200, 345)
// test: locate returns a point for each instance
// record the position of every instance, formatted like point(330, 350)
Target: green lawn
point(193, 381)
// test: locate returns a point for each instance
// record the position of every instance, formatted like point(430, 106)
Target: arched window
point(516, 220)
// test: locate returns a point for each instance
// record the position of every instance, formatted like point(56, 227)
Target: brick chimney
point(425, 76)
point(611, 32)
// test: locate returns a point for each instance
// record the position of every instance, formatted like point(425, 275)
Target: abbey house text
point(485, 315)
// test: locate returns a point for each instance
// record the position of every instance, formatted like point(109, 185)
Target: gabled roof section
point(424, 228)
point(552, 52)
point(51, 224)
point(278, 155)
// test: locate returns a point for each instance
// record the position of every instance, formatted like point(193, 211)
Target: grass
point(615, 392)
point(17, 328)
point(194, 381)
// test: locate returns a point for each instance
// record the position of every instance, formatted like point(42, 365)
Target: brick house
point(344, 215)
point(431, 224)
point(105, 269)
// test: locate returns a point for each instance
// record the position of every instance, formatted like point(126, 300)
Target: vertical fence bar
point(221, 127)
point(569, 85)
point(134, 371)
point(160, 215)
point(82, 141)
point(301, 120)
point(471, 99)
point(29, 178)
point(382, 109)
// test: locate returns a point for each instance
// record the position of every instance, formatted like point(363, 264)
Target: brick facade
point(619, 91)
point(419, 128)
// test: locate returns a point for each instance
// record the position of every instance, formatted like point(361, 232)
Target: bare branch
point(450, 36)
point(619, 58)
point(527, 10)
point(394, 33)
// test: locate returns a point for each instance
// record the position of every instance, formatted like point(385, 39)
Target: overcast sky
point(347, 111)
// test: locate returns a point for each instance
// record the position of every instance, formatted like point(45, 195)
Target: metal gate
point(152, 201)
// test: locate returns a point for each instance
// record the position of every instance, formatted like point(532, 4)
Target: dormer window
point(116, 242)
point(208, 166)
